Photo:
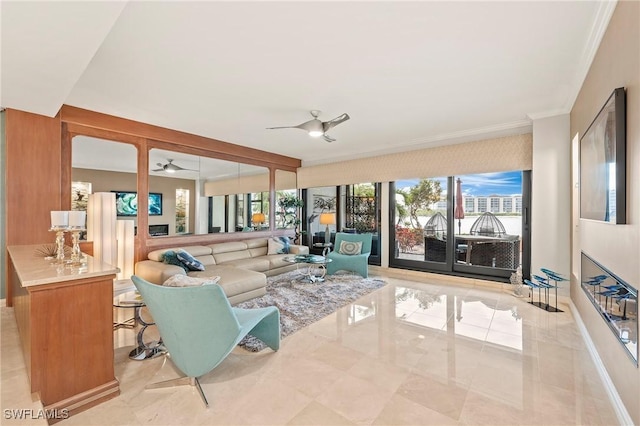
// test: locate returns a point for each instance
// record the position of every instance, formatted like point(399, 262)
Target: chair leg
point(195, 382)
point(180, 381)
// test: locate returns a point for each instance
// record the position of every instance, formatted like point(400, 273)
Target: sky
point(503, 183)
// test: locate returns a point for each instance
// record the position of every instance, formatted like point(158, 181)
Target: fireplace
point(158, 230)
point(615, 300)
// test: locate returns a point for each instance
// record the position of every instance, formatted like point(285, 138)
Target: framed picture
point(127, 203)
point(324, 204)
point(603, 186)
point(80, 195)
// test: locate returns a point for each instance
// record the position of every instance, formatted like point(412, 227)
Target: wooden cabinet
point(64, 318)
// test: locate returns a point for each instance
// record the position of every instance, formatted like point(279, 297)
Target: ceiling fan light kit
point(316, 128)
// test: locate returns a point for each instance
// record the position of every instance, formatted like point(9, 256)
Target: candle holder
point(76, 255)
point(59, 242)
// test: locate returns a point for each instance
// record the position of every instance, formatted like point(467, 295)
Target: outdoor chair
point(199, 327)
point(358, 263)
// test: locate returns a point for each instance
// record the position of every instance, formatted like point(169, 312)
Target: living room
point(38, 158)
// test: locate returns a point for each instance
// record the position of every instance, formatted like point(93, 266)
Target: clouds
point(499, 183)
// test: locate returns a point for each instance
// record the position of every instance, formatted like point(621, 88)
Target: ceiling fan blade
point(158, 170)
point(327, 125)
point(328, 138)
point(282, 127)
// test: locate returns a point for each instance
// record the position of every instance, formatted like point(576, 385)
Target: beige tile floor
point(411, 353)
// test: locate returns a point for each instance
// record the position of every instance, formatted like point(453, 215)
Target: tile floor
point(410, 353)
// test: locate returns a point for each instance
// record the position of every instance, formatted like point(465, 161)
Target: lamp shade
point(327, 218)
point(258, 218)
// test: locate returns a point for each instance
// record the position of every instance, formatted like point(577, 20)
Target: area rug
point(302, 303)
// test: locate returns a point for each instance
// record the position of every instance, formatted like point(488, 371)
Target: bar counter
point(64, 316)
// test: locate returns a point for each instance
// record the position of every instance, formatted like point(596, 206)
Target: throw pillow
point(170, 257)
point(278, 245)
point(189, 261)
point(350, 247)
point(180, 280)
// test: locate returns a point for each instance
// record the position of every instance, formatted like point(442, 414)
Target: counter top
point(33, 269)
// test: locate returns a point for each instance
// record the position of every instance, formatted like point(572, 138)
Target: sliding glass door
point(471, 225)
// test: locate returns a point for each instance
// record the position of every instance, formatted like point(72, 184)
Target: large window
point(346, 208)
point(465, 225)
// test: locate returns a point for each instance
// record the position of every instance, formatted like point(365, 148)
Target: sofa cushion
point(277, 261)
point(278, 245)
point(234, 280)
point(231, 246)
point(170, 257)
point(192, 250)
point(260, 264)
point(350, 248)
point(187, 281)
point(189, 261)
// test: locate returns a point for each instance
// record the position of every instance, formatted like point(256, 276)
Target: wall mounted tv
point(603, 186)
point(127, 203)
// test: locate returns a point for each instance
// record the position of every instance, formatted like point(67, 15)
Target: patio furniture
point(435, 249)
point(488, 225)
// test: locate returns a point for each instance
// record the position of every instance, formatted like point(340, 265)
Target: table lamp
point(327, 219)
point(258, 219)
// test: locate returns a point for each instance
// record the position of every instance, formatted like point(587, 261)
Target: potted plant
point(289, 206)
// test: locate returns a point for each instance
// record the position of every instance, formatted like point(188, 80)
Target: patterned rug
point(303, 303)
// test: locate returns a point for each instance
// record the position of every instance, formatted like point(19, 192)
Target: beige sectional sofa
point(243, 266)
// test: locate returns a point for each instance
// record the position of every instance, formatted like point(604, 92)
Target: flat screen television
point(127, 203)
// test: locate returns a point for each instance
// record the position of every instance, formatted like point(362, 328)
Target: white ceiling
point(410, 74)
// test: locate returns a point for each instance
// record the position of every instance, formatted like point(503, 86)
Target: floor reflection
point(408, 353)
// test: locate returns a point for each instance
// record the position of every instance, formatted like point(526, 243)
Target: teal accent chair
point(358, 263)
point(199, 327)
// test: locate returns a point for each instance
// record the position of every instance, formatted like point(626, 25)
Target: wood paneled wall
point(33, 176)
point(39, 168)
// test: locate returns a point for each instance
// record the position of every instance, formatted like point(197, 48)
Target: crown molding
point(546, 114)
point(598, 29)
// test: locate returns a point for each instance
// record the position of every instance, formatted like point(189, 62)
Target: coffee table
point(312, 261)
point(144, 350)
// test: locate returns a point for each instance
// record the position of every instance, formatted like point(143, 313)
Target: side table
point(132, 299)
point(326, 248)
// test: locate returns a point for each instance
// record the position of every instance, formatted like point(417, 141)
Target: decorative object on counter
point(49, 251)
point(68, 221)
point(59, 224)
point(77, 220)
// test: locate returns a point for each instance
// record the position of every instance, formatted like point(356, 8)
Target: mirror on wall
point(204, 194)
point(99, 165)
point(188, 194)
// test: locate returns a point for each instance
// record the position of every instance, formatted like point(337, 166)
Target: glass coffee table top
point(316, 269)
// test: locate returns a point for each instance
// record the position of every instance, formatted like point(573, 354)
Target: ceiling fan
point(317, 128)
point(170, 167)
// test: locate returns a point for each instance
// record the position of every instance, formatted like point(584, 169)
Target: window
point(470, 225)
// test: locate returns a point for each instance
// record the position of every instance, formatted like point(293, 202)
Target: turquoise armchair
point(199, 327)
point(358, 263)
